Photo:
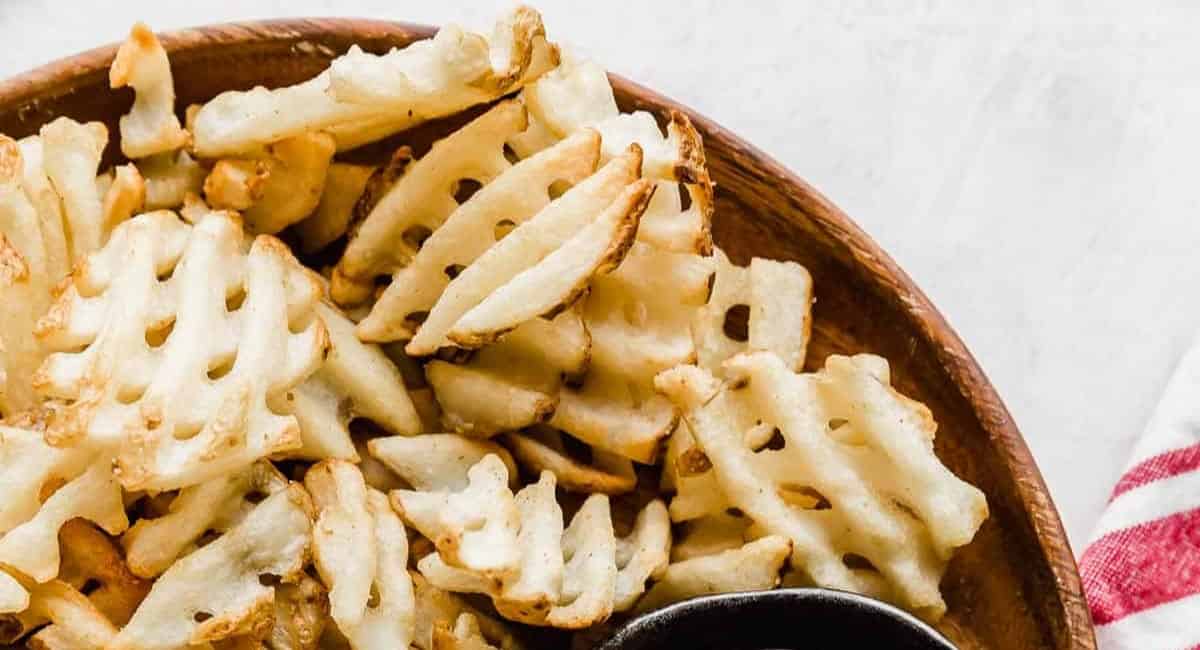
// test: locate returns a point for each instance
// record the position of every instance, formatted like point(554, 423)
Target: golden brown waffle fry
point(881, 492)
point(236, 184)
point(150, 127)
point(76, 623)
point(215, 593)
point(364, 97)
point(124, 384)
point(92, 563)
point(751, 567)
point(344, 185)
point(301, 610)
point(465, 635)
point(152, 545)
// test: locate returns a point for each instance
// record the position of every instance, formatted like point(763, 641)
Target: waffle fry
point(356, 380)
point(906, 535)
point(92, 563)
point(32, 547)
point(215, 592)
point(71, 157)
point(776, 297)
point(530, 241)
point(49, 209)
point(513, 197)
point(124, 195)
point(419, 202)
point(150, 127)
point(638, 317)
point(752, 567)
point(541, 449)
point(152, 545)
point(301, 610)
point(567, 578)
point(436, 606)
point(76, 623)
point(169, 177)
point(227, 425)
point(465, 635)
point(236, 184)
point(425, 80)
point(520, 374)
point(437, 462)
point(344, 186)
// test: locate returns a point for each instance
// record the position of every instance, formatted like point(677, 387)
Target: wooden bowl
point(1014, 586)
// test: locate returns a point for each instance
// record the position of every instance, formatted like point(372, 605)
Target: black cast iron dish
point(784, 619)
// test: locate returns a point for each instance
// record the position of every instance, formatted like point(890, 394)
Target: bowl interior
point(1014, 586)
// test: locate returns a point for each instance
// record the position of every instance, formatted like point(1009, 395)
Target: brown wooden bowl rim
point(52, 78)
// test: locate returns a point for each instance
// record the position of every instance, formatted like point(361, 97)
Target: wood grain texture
point(1014, 586)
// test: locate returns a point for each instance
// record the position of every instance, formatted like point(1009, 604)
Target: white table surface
point(1030, 164)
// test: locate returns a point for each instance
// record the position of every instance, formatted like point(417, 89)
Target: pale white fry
point(541, 449)
point(344, 184)
point(638, 317)
point(420, 200)
point(642, 555)
point(524, 246)
point(71, 157)
point(124, 385)
point(754, 566)
point(390, 623)
point(513, 383)
point(509, 402)
point(866, 505)
point(437, 461)
point(561, 277)
point(150, 127)
point(448, 80)
point(76, 623)
point(26, 281)
point(32, 547)
point(590, 572)
point(215, 592)
point(452, 68)
point(344, 539)
point(474, 528)
point(777, 300)
point(710, 535)
point(152, 545)
point(171, 176)
point(512, 198)
point(30, 469)
point(49, 209)
point(536, 588)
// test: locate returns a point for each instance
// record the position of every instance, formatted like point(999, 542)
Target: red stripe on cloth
point(1137, 568)
point(1164, 465)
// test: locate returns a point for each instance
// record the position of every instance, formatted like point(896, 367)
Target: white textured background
point(1031, 164)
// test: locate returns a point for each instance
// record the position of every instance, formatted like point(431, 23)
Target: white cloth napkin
point(1141, 570)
